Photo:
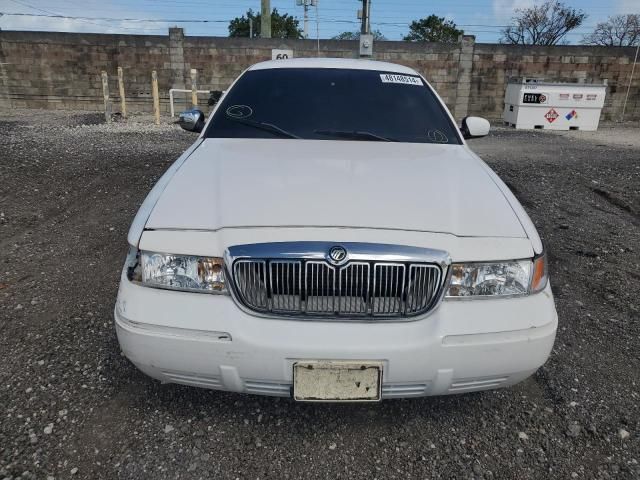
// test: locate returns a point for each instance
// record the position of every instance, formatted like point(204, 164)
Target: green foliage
point(282, 26)
point(433, 29)
point(377, 35)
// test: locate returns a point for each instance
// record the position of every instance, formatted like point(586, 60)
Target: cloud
point(10, 22)
point(627, 6)
point(91, 8)
point(503, 9)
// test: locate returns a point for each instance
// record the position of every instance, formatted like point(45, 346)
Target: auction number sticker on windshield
point(404, 79)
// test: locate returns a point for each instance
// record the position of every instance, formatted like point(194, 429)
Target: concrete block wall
point(493, 65)
point(220, 60)
point(62, 70)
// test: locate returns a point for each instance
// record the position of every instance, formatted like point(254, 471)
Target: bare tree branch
point(544, 24)
point(617, 31)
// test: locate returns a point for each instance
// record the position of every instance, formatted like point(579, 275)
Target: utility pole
point(366, 9)
point(315, 2)
point(306, 4)
point(366, 39)
point(265, 19)
point(250, 27)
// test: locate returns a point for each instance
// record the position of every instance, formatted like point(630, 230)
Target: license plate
point(337, 381)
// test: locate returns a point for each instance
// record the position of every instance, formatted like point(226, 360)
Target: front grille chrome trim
point(388, 288)
point(285, 279)
point(351, 284)
point(249, 274)
point(320, 276)
point(378, 282)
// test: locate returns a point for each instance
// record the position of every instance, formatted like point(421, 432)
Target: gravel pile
point(73, 407)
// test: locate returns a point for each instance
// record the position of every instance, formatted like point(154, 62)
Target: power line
point(18, 2)
point(73, 17)
point(470, 28)
point(188, 20)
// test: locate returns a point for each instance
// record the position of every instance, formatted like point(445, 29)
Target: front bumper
point(207, 341)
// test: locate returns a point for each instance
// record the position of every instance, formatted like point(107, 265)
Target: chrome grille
point(357, 289)
point(285, 277)
point(250, 277)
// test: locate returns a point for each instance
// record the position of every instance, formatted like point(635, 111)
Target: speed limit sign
point(279, 54)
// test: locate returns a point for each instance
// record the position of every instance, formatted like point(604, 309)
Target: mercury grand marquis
point(331, 237)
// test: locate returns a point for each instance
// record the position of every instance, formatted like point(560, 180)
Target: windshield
point(332, 104)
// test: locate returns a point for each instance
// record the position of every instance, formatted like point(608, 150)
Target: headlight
point(518, 277)
point(182, 272)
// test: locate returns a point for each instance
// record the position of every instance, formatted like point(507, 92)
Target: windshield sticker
point(239, 111)
point(404, 79)
point(436, 136)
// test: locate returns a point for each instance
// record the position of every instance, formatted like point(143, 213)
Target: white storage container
point(532, 103)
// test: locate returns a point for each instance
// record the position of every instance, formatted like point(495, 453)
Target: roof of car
point(348, 63)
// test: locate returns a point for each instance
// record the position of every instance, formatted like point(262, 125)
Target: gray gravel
point(73, 407)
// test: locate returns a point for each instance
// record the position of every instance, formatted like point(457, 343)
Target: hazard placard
point(551, 115)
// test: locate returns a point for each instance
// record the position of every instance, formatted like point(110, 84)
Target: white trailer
point(532, 104)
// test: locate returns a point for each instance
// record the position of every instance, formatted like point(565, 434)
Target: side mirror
point(214, 96)
point(475, 127)
point(192, 120)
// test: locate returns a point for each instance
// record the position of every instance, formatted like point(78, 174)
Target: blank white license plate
point(337, 381)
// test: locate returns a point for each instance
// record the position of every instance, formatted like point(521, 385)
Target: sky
point(482, 18)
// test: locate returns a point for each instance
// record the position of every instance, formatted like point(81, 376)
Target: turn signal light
point(540, 274)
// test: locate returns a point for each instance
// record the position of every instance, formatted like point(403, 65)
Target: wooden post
point(123, 104)
point(194, 87)
point(105, 94)
point(156, 98)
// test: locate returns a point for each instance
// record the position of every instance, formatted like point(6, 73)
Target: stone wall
point(62, 70)
point(493, 65)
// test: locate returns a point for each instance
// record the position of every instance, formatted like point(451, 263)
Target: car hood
point(324, 183)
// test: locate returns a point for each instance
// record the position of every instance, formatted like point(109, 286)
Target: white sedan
point(331, 237)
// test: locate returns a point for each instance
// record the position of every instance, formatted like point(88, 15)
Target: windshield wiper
point(268, 127)
point(354, 135)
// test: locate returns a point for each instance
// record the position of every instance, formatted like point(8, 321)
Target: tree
point(544, 24)
point(282, 26)
point(377, 35)
point(433, 29)
point(617, 31)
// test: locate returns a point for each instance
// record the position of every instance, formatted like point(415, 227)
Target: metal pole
point(366, 8)
point(181, 90)
point(250, 27)
point(306, 19)
point(318, 26)
point(265, 19)
point(105, 95)
point(626, 98)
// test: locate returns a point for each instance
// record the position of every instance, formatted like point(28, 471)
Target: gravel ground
point(73, 407)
